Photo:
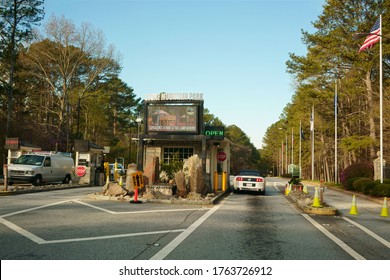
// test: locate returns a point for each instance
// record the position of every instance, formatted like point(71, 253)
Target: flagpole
point(287, 153)
point(335, 134)
point(312, 143)
point(381, 95)
point(282, 158)
point(292, 145)
point(300, 149)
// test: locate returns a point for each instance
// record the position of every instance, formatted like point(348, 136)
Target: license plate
point(250, 185)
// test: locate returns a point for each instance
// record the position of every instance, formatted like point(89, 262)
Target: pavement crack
point(156, 243)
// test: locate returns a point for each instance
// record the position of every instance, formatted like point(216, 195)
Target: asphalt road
point(66, 225)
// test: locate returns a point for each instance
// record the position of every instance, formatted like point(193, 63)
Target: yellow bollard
point(115, 171)
point(107, 171)
point(215, 181)
point(224, 175)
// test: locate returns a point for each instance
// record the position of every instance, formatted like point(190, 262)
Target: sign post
point(5, 170)
point(138, 182)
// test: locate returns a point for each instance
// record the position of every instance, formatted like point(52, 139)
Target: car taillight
point(259, 180)
point(239, 179)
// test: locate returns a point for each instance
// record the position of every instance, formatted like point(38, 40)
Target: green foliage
point(359, 183)
point(295, 181)
point(355, 171)
point(332, 57)
point(367, 187)
point(171, 167)
point(381, 190)
point(356, 142)
point(244, 155)
point(17, 19)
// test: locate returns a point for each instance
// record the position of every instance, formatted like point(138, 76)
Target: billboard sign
point(172, 118)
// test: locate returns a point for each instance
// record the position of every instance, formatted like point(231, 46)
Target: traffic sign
point(81, 170)
point(138, 179)
point(221, 156)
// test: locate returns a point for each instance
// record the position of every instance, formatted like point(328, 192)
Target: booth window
point(180, 154)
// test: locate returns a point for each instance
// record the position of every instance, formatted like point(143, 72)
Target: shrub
point(171, 168)
point(294, 181)
point(367, 187)
point(359, 182)
point(385, 181)
point(357, 170)
point(381, 190)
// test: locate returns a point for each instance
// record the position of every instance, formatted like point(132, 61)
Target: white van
point(41, 167)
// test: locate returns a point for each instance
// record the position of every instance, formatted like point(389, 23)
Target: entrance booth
point(219, 163)
point(174, 128)
point(89, 169)
point(17, 147)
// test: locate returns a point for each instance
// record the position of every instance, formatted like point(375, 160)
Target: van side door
point(47, 170)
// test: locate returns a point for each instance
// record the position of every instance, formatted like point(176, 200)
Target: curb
point(378, 200)
point(175, 201)
point(212, 201)
point(325, 210)
point(32, 190)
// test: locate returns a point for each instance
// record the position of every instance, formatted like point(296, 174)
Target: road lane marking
point(332, 237)
point(164, 252)
point(39, 240)
point(35, 208)
point(23, 232)
point(140, 212)
point(369, 232)
point(112, 236)
point(95, 207)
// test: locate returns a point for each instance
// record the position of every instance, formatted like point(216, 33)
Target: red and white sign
point(81, 170)
point(221, 156)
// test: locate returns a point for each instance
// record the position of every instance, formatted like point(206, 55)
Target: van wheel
point(37, 180)
point(66, 180)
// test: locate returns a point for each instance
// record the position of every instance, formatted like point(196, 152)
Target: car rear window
point(250, 173)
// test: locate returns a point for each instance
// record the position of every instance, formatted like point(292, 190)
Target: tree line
point(333, 65)
point(61, 82)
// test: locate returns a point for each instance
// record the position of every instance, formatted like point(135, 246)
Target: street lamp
point(138, 120)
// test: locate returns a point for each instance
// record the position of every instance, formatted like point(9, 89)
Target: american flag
point(373, 38)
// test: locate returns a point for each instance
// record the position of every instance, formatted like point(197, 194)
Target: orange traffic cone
point(385, 210)
point(316, 201)
point(353, 210)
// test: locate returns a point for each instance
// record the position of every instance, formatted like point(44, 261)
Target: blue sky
point(232, 51)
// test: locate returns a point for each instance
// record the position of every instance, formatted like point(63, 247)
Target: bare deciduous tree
point(70, 60)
